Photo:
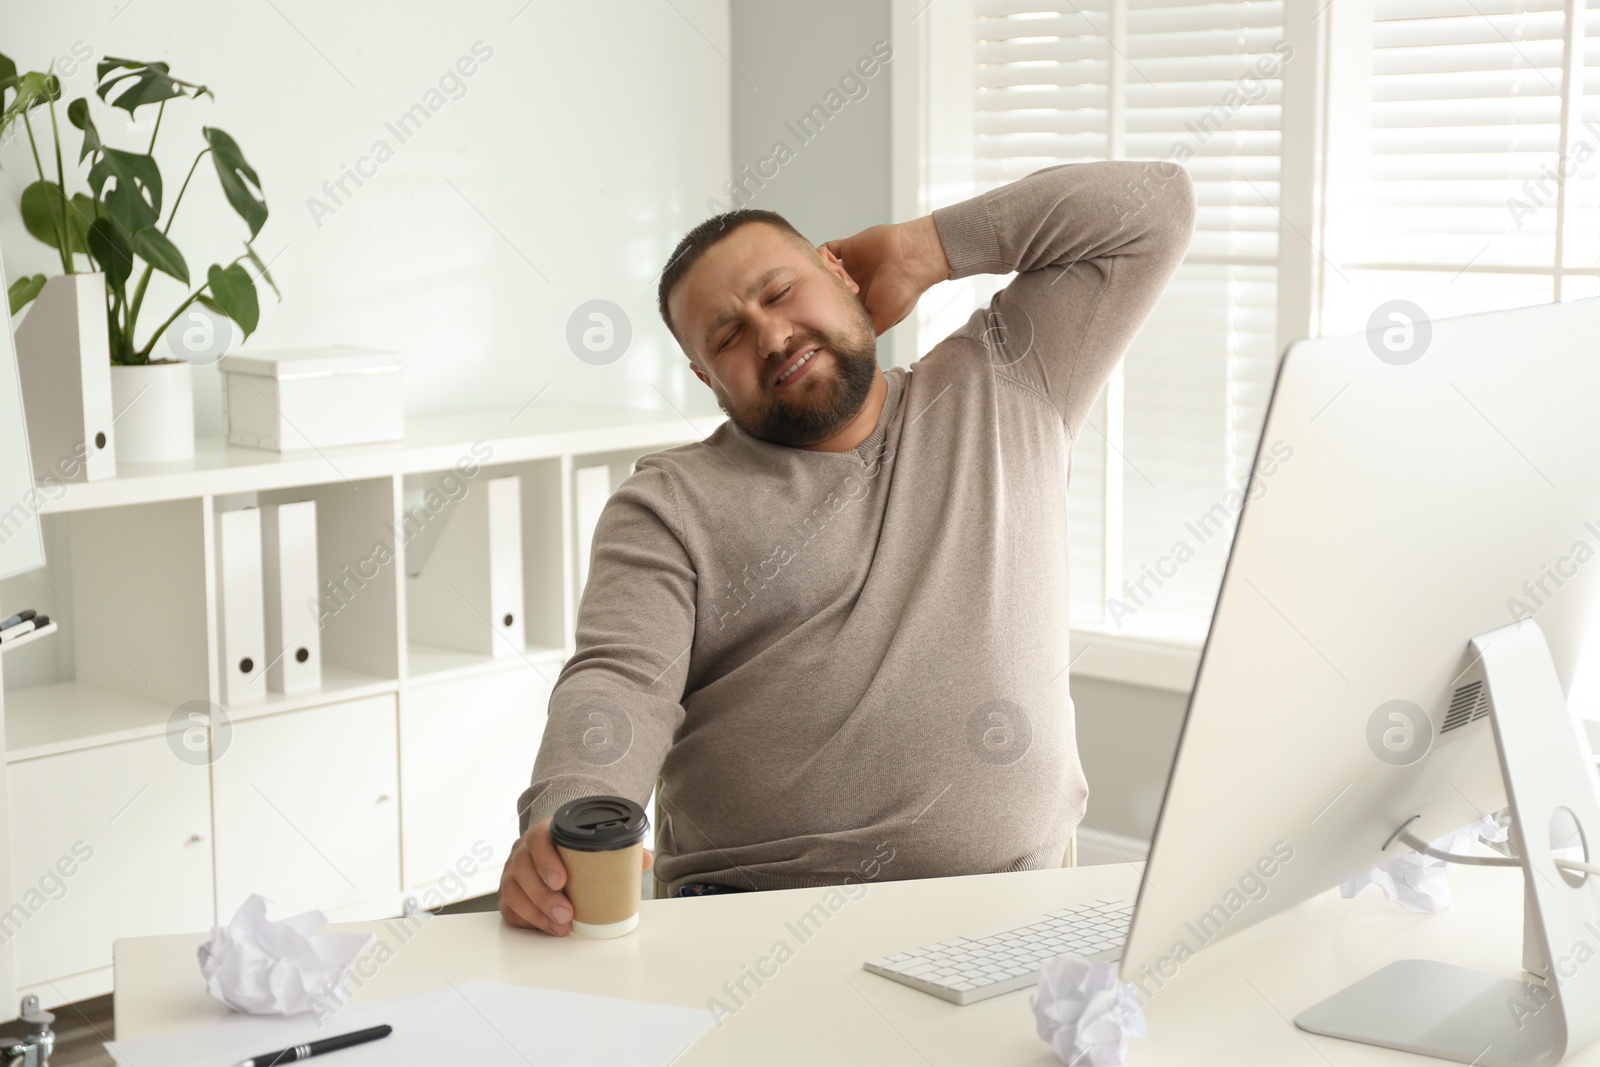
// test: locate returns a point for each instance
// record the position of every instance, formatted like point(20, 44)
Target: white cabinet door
point(466, 753)
point(307, 808)
point(106, 842)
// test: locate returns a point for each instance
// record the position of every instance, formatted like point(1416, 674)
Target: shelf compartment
point(542, 549)
point(126, 588)
point(358, 577)
point(47, 720)
point(428, 663)
point(338, 683)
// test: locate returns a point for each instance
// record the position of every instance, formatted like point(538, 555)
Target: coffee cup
point(601, 841)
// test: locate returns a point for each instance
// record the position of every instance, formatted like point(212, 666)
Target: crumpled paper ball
point(1084, 1012)
point(1418, 882)
point(278, 967)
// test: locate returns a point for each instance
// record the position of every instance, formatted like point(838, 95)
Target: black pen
point(316, 1048)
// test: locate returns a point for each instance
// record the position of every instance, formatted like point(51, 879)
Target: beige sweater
point(830, 658)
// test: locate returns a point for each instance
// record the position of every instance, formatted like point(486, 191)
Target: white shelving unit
point(134, 803)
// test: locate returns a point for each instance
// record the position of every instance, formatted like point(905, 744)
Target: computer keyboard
point(969, 969)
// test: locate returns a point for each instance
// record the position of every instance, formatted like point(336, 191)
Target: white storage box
point(312, 397)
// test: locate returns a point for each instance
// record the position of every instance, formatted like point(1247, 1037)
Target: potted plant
point(117, 227)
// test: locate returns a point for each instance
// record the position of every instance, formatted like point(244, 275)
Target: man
point(836, 629)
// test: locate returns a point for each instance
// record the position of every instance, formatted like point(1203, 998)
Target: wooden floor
point(82, 1028)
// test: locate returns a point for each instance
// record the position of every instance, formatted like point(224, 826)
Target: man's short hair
point(698, 240)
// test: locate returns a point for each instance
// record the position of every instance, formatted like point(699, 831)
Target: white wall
point(789, 57)
point(566, 170)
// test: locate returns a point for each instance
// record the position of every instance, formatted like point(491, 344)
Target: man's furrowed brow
point(728, 314)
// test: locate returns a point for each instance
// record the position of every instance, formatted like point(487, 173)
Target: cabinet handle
point(383, 798)
point(194, 839)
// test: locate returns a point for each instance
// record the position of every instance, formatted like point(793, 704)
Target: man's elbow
point(1160, 197)
point(1183, 201)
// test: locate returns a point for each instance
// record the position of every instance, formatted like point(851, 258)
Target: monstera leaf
point(26, 92)
point(237, 178)
point(235, 295)
point(151, 83)
point(154, 248)
point(81, 212)
point(23, 290)
point(135, 200)
point(78, 113)
point(44, 210)
point(112, 250)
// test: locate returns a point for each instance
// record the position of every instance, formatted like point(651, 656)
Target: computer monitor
point(1416, 486)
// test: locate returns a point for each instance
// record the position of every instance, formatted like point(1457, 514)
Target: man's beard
point(805, 413)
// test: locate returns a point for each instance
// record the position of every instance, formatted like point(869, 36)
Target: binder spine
point(241, 635)
point(289, 574)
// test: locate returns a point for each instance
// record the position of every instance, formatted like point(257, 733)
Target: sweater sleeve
point(1094, 245)
point(617, 703)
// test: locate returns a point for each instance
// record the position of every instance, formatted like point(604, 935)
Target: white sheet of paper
point(487, 1024)
point(241, 1035)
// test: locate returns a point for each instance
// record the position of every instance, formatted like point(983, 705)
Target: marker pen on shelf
point(22, 616)
point(12, 633)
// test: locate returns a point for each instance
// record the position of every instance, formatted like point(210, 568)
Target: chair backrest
point(658, 888)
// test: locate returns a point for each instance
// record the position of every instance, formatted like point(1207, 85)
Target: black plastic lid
point(598, 824)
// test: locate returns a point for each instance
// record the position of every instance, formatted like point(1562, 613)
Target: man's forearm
point(617, 703)
point(1070, 213)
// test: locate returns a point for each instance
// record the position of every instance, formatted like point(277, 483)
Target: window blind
point(1198, 82)
point(1474, 177)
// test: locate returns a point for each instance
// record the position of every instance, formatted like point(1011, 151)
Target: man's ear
point(698, 373)
point(836, 265)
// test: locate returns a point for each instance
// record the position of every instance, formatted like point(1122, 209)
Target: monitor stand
point(1455, 1013)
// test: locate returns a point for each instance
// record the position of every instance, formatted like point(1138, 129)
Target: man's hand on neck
point(894, 265)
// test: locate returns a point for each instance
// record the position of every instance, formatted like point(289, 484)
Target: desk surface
point(1231, 1004)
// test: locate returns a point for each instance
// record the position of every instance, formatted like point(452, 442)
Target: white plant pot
point(154, 405)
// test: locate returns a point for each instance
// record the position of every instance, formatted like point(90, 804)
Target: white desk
point(1230, 1005)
